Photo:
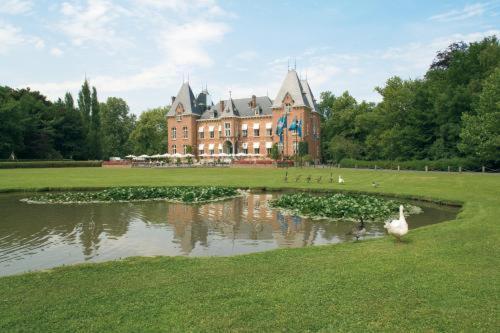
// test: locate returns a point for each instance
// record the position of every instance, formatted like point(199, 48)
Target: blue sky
point(140, 50)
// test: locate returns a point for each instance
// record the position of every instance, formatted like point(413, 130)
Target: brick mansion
point(245, 127)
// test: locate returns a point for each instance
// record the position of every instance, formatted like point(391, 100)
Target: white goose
point(397, 228)
point(341, 180)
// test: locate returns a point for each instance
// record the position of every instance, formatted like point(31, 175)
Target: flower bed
point(341, 206)
point(185, 194)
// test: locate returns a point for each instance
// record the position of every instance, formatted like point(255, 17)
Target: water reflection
point(43, 236)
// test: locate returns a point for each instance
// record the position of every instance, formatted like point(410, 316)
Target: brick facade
point(244, 125)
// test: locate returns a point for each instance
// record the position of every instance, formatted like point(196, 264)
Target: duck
point(359, 230)
point(341, 180)
point(398, 228)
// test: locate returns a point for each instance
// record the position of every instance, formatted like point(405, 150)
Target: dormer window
point(288, 108)
point(257, 110)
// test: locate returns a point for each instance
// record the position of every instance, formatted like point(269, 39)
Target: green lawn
point(444, 278)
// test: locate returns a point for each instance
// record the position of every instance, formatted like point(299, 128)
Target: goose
point(399, 227)
point(375, 184)
point(341, 180)
point(359, 230)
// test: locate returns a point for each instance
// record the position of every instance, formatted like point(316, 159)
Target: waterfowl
point(359, 230)
point(398, 228)
point(341, 180)
point(375, 184)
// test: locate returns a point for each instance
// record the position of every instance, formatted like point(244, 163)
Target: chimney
point(173, 99)
point(254, 101)
point(221, 106)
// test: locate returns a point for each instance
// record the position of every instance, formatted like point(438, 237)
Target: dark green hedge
point(418, 165)
point(49, 164)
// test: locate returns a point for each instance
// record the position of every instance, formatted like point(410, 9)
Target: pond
point(38, 236)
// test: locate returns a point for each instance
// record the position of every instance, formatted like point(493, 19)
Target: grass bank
point(444, 278)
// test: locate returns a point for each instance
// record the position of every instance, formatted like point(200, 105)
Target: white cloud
point(94, 22)
point(248, 55)
point(184, 44)
point(56, 52)
point(467, 12)
point(15, 7)
point(11, 36)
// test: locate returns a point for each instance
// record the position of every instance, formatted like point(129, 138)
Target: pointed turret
point(185, 99)
point(291, 86)
point(309, 95)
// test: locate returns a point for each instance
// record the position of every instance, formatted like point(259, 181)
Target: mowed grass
point(444, 277)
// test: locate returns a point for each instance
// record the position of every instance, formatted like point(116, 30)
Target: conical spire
point(186, 98)
point(292, 86)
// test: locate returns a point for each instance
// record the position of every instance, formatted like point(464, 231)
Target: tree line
point(452, 112)
point(32, 127)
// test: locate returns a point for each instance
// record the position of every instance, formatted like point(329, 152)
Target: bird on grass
point(375, 184)
point(308, 178)
point(398, 228)
point(341, 180)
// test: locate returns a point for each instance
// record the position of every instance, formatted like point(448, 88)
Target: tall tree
point(94, 136)
point(116, 126)
point(150, 134)
point(480, 133)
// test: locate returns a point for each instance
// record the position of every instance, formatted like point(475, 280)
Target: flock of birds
point(397, 228)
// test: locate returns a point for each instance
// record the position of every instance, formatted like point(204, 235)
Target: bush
point(418, 165)
point(49, 164)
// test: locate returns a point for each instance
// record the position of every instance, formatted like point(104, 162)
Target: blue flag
point(293, 125)
point(299, 128)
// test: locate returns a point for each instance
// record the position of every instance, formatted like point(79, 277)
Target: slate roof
point(239, 107)
point(309, 95)
point(291, 85)
point(185, 97)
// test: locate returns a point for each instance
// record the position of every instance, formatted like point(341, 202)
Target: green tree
point(480, 134)
point(94, 135)
point(150, 133)
point(116, 126)
point(275, 152)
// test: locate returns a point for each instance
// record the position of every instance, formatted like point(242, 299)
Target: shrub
point(419, 165)
point(49, 164)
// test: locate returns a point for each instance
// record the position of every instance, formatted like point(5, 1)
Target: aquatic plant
point(186, 194)
point(341, 206)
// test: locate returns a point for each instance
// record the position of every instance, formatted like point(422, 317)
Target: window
point(295, 147)
point(269, 131)
point(185, 132)
point(244, 133)
point(268, 150)
point(174, 149)
point(227, 127)
point(256, 132)
point(212, 133)
point(184, 148)
point(220, 131)
point(179, 118)
point(202, 135)
point(245, 150)
point(288, 108)
point(174, 133)
point(212, 151)
point(202, 152)
point(256, 150)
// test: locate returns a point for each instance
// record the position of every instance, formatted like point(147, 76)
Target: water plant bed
point(184, 194)
point(341, 206)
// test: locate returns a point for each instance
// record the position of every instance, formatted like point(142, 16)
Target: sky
point(142, 50)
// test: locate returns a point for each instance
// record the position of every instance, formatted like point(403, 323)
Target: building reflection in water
point(44, 236)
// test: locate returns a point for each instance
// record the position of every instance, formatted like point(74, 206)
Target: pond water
point(34, 236)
